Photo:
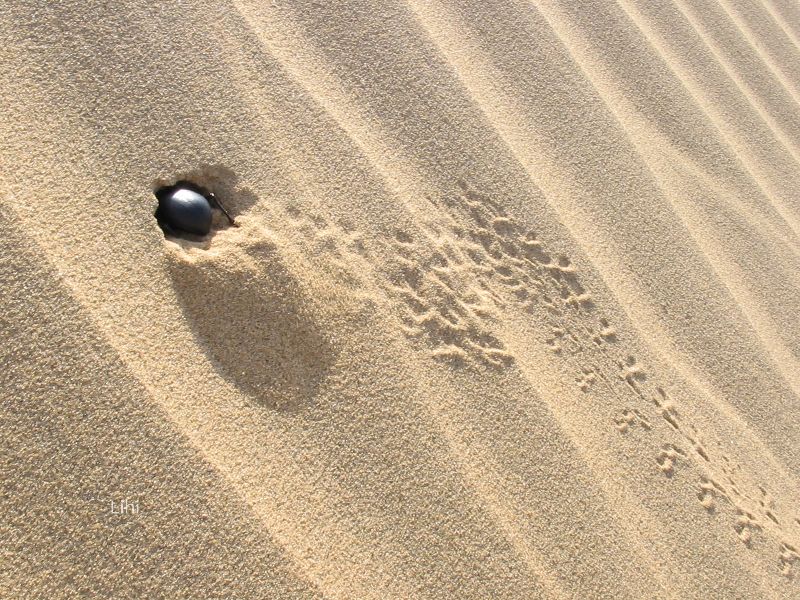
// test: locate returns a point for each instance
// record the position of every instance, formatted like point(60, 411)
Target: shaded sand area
point(511, 309)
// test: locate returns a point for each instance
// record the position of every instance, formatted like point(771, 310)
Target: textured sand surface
point(511, 310)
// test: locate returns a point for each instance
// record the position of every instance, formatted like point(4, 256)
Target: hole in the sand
point(188, 210)
point(249, 313)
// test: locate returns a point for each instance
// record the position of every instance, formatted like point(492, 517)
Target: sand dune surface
point(509, 309)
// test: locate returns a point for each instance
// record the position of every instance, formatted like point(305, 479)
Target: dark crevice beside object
point(186, 208)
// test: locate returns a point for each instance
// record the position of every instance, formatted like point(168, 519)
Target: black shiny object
point(182, 208)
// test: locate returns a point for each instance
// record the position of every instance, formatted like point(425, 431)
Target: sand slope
point(511, 310)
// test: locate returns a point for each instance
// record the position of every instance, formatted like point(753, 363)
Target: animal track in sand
point(483, 261)
point(746, 526)
point(554, 341)
point(586, 379)
point(443, 307)
point(668, 458)
point(451, 278)
point(440, 305)
point(787, 560)
point(340, 253)
point(606, 334)
point(513, 259)
point(564, 340)
point(745, 505)
point(707, 494)
point(632, 373)
point(511, 256)
point(767, 505)
point(630, 417)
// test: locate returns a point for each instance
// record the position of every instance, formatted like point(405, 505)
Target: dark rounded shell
point(186, 210)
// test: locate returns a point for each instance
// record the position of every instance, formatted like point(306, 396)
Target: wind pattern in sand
point(511, 310)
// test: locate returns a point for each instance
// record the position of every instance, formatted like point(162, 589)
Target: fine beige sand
point(512, 309)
